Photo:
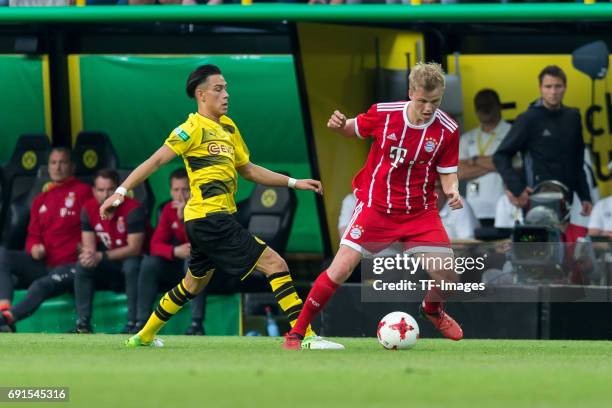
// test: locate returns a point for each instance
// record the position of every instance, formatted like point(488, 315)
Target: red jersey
point(403, 164)
point(55, 221)
point(170, 232)
point(128, 218)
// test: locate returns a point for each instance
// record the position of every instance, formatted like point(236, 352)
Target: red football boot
point(292, 342)
point(444, 323)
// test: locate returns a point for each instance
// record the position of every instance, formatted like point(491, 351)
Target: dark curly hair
point(200, 75)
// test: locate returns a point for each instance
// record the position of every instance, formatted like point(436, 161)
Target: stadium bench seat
point(270, 212)
point(24, 177)
point(93, 151)
point(18, 211)
point(18, 174)
point(58, 315)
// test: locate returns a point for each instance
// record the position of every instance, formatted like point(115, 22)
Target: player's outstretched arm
point(339, 123)
point(450, 186)
point(162, 156)
point(261, 175)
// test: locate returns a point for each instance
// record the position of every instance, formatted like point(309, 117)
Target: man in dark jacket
point(549, 137)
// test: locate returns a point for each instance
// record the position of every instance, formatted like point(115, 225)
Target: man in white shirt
point(507, 215)
point(476, 148)
point(459, 224)
point(579, 223)
point(600, 223)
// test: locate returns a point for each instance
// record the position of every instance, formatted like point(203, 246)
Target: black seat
point(271, 211)
point(93, 151)
point(18, 212)
point(143, 192)
point(18, 174)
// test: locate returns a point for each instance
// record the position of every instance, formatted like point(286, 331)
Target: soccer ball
point(397, 331)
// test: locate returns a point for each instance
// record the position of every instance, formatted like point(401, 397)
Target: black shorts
point(219, 242)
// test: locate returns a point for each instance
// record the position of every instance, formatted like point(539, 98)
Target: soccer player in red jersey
point(414, 144)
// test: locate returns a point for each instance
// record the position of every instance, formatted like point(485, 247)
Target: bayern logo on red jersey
point(430, 145)
point(356, 232)
point(69, 200)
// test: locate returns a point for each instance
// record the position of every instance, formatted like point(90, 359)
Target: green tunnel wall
point(139, 100)
point(25, 99)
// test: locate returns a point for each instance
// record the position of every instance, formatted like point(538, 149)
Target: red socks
point(322, 290)
point(432, 303)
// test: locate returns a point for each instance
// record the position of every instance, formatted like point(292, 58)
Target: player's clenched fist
point(337, 120)
point(454, 200)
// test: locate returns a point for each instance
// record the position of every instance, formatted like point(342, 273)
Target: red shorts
point(372, 231)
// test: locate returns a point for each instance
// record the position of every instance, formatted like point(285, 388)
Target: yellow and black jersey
point(212, 151)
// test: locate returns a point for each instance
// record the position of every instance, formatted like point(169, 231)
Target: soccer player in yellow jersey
point(214, 152)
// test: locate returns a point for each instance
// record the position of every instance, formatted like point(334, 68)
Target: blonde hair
point(428, 76)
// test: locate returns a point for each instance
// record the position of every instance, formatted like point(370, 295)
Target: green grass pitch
point(255, 372)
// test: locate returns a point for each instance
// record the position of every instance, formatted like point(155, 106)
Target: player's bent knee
point(271, 262)
point(191, 284)
point(196, 283)
point(339, 272)
point(279, 265)
point(342, 266)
